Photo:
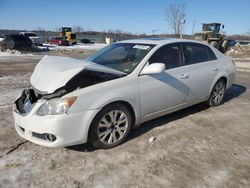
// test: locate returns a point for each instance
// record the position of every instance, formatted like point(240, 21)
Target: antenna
point(182, 23)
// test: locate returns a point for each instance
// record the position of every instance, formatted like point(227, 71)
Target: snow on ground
point(239, 51)
point(195, 147)
point(13, 53)
point(79, 46)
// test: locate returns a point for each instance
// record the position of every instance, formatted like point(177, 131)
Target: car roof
point(28, 32)
point(158, 41)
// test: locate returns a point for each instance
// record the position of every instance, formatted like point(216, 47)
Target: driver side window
point(169, 54)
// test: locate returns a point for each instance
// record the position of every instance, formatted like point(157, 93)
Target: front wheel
point(111, 126)
point(218, 93)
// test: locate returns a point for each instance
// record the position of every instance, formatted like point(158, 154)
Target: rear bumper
point(69, 129)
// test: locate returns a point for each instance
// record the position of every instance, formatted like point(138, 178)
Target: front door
point(166, 90)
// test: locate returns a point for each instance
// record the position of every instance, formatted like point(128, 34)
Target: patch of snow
point(152, 139)
point(13, 53)
point(79, 46)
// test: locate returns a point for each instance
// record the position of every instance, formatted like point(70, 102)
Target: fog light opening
point(50, 137)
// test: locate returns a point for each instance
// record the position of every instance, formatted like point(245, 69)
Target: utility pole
point(182, 23)
point(193, 27)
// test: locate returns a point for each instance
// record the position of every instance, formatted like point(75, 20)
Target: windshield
point(210, 27)
point(30, 34)
point(123, 57)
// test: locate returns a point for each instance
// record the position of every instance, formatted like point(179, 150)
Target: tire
point(18, 42)
point(106, 133)
point(224, 46)
point(218, 93)
point(215, 44)
point(10, 43)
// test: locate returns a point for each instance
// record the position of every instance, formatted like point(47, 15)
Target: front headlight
point(56, 106)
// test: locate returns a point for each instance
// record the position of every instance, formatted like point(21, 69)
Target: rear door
point(203, 67)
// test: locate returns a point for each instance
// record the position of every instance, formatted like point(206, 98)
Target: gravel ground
point(195, 147)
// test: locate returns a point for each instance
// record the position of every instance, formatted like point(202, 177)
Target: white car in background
point(99, 100)
point(36, 40)
point(1, 38)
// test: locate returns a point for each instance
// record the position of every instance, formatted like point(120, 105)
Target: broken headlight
point(56, 106)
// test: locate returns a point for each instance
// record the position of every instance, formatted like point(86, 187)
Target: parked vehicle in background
point(231, 43)
point(36, 40)
point(100, 99)
point(243, 42)
point(86, 41)
point(212, 35)
point(66, 32)
point(17, 41)
point(60, 41)
point(1, 37)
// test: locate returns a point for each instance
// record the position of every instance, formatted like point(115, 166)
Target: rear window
point(197, 53)
point(211, 54)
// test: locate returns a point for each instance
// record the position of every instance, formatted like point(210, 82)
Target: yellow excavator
point(67, 34)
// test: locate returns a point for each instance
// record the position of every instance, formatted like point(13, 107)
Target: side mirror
point(223, 26)
point(154, 68)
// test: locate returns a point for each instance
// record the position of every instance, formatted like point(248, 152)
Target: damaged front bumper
point(50, 130)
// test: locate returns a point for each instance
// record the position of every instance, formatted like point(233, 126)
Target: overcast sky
point(136, 16)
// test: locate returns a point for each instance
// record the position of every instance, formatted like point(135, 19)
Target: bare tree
point(175, 16)
point(248, 32)
point(57, 29)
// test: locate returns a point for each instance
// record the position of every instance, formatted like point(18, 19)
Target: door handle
point(216, 69)
point(184, 76)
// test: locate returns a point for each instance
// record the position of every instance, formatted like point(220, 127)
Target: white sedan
point(99, 100)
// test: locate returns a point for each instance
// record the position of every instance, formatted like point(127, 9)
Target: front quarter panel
point(97, 96)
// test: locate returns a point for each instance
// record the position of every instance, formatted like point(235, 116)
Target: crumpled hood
point(53, 72)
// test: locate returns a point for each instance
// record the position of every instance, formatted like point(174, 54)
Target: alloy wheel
point(112, 127)
point(218, 92)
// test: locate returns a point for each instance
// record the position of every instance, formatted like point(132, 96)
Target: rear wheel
point(111, 126)
point(215, 44)
point(10, 43)
point(224, 46)
point(218, 93)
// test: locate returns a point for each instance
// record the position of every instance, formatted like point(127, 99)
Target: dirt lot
point(195, 147)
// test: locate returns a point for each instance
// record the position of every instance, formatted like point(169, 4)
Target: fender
point(221, 74)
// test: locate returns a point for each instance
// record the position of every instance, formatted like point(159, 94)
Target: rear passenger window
point(211, 54)
point(170, 55)
point(195, 53)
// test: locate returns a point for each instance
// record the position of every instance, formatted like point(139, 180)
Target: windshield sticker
point(142, 47)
